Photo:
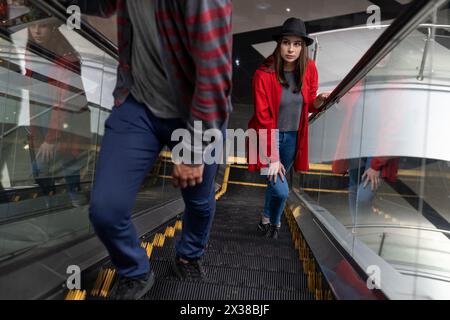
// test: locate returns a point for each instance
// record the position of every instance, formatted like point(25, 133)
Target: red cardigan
point(267, 92)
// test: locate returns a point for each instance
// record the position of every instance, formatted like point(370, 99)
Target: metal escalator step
point(243, 278)
point(242, 226)
point(228, 277)
point(252, 238)
point(178, 290)
point(240, 263)
point(252, 249)
point(230, 218)
point(256, 263)
point(239, 210)
point(242, 222)
point(164, 253)
point(257, 279)
point(248, 262)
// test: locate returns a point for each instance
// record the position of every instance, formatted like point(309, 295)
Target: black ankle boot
point(263, 227)
point(275, 231)
point(272, 232)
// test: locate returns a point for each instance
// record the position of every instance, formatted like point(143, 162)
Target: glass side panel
point(380, 163)
point(55, 96)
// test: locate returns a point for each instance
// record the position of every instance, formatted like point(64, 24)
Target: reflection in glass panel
point(55, 96)
point(339, 50)
point(384, 160)
point(46, 145)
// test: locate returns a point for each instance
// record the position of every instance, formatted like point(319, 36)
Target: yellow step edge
point(239, 166)
point(98, 283)
point(161, 240)
point(76, 295)
point(169, 232)
point(102, 289)
point(107, 284)
point(143, 244)
point(149, 250)
point(155, 240)
point(81, 295)
point(147, 246)
point(69, 295)
point(248, 184)
point(319, 281)
point(319, 294)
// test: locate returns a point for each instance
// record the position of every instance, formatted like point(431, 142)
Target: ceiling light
point(263, 6)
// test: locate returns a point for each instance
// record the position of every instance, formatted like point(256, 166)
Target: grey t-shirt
point(290, 106)
point(151, 85)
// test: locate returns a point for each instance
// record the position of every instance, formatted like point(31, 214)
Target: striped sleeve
point(209, 35)
point(197, 38)
point(210, 39)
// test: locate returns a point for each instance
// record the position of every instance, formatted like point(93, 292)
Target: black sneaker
point(192, 270)
point(275, 231)
point(132, 288)
point(263, 227)
point(272, 232)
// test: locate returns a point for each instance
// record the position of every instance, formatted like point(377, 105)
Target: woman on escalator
point(60, 133)
point(284, 92)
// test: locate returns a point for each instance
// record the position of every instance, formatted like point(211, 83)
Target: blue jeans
point(132, 142)
point(359, 197)
point(277, 193)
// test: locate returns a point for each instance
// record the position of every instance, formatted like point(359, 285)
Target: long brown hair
point(300, 66)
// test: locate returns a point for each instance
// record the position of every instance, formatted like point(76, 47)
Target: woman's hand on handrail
point(320, 99)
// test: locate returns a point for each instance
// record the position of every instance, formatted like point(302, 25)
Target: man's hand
point(187, 175)
point(45, 152)
point(276, 169)
point(373, 176)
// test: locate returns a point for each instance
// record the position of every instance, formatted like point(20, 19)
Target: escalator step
point(220, 259)
point(257, 279)
point(252, 238)
point(255, 249)
point(176, 290)
point(253, 263)
point(239, 262)
point(242, 226)
point(222, 276)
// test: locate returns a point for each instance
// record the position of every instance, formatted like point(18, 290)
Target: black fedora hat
point(294, 27)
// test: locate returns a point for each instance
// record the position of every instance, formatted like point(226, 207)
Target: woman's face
point(290, 48)
point(41, 32)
